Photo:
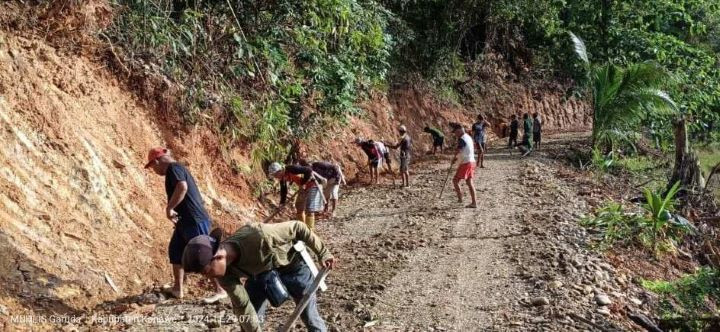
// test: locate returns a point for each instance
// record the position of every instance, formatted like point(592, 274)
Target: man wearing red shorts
point(466, 154)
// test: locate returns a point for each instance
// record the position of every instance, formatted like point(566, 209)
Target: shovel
point(305, 300)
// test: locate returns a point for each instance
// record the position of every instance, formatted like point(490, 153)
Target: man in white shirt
point(466, 170)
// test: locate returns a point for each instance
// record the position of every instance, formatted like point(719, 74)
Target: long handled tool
point(280, 209)
point(447, 178)
point(305, 300)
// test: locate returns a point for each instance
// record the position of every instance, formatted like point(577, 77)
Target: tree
point(622, 97)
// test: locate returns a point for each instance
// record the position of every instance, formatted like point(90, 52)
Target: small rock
point(555, 284)
point(602, 300)
point(603, 311)
point(4, 310)
point(636, 301)
point(540, 301)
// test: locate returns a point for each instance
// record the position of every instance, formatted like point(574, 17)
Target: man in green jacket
point(253, 250)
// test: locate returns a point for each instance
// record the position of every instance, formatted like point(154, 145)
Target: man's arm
point(178, 195)
point(301, 232)
point(319, 178)
point(461, 144)
point(243, 309)
point(283, 191)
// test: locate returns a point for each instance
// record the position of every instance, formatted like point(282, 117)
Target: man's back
point(325, 169)
point(262, 247)
point(514, 127)
point(191, 208)
point(467, 149)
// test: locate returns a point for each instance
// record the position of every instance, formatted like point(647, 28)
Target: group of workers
point(262, 253)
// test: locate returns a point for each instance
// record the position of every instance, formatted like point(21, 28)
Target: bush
point(687, 300)
point(654, 227)
point(277, 69)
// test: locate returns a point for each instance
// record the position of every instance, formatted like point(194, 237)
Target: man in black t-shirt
point(185, 209)
point(514, 129)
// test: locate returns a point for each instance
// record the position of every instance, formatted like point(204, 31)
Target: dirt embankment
point(76, 207)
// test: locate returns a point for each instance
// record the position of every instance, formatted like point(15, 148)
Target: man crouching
point(260, 252)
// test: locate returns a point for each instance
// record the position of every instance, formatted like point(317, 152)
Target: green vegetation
point(687, 300)
point(622, 97)
point(288, 67)
point(264, 64)
point(654, 228)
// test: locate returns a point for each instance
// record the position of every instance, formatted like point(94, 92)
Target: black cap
point(199, 252)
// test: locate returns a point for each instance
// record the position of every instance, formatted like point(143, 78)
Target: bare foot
point(471, 206)
point(172, 291)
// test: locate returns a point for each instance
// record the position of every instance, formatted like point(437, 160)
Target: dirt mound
point(76, 207)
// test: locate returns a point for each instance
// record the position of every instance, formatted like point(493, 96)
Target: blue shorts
point(480, 140)
point(182, 235)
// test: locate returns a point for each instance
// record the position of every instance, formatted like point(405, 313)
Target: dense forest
point(290, 66)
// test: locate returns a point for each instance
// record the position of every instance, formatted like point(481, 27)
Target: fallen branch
point(713, 171)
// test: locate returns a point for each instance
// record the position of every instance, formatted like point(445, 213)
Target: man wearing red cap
point(185, 209)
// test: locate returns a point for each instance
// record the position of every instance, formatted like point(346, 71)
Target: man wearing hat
point(405, 146)
point(258, 252)
point(185, 209)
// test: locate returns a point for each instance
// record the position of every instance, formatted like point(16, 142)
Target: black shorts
point(438, 142)
point(536, 137)
point(386, 156)
point(374, 163)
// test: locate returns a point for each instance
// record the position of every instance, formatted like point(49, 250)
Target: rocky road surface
point(410, 261)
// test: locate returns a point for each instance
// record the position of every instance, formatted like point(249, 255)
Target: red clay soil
point(77, 210)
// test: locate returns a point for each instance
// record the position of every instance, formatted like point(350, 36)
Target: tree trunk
point(687, 166)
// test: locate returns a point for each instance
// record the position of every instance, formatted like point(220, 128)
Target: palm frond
point(580, 48)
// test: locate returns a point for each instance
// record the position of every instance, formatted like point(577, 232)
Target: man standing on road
point(527, 144)
point(331, 190)
point(466, 169)
point(309, 198)
point(514, 129)
point(478, 131)
point(437, 137)
point(185, 209)
point(405, 146)
point(262, 253)
point(537, 130)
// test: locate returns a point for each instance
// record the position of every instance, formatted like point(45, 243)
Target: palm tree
point(622, 97)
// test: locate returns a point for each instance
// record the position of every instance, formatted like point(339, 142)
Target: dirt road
point(411, 261)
